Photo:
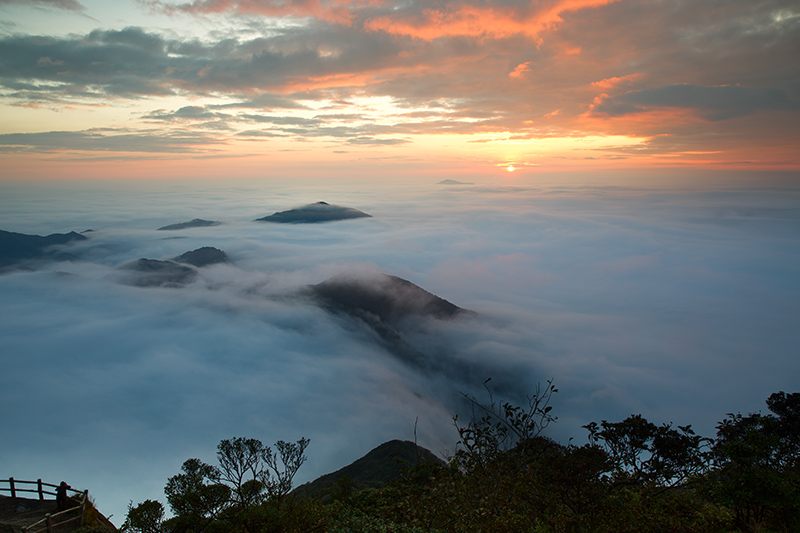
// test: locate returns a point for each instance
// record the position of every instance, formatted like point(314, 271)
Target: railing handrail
point(12, 487)
point(48, 518)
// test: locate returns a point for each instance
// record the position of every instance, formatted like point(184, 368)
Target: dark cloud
point(282, 121)
point(259, 133)
point(185, 113)
point(376, 142)
point(133, 62)
point(68, 5)
point(265, 102)
point(335, 11)
point(713, 103)
point(104, 140)
point(129, 62)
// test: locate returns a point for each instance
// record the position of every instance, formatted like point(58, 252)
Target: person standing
point(61, 495)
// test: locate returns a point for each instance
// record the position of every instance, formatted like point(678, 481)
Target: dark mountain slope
point(378, 467)
point(204, 256)
point(196, 223)
point(18, 247)
point(314, 213)
point(389, 298)
point(388, 305)
point(155, 273)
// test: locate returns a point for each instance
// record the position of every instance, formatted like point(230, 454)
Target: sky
point(622, 215)
point(181, 88)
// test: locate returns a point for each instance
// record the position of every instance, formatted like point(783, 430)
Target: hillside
point(18, 247)
point(17, 513)
point(383, 464)
point(386, 297)
point(314, 213)
point(390, 307)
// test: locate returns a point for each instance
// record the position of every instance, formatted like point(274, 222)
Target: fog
point(675, 300)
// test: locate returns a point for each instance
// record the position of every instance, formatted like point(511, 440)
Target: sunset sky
point(195, 88)
point(613, 187)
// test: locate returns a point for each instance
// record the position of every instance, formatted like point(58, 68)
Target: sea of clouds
point(679, 301)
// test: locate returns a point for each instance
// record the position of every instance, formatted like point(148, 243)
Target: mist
point(677, 300)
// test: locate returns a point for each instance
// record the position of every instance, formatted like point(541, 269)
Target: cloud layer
point(674, 301)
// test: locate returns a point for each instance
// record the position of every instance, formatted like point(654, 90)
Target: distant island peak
point(195, 223)
point(314, 213)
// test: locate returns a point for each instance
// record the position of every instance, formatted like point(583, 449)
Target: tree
point(646, 454)
point(248, 468)
point(283, 466)
point(498, 428)
point(147, 517)
point(787, 426)
point(244, 490)
point(757, 459)
point(196, 497)
point(242, 466)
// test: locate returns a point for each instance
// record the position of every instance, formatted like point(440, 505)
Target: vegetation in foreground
point(505, 476)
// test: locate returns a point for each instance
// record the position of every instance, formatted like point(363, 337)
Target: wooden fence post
point(49, 523)
point(13, 490)
point(41, 494)
point(83, 506)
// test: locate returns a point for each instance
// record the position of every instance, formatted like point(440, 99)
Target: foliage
point(147, 517)
point(506, 476)
point(757, 466)
point(496, 428)
point(245, 492)
point(283, 466)
point(643, 453)
point(196, 497)
point(241, 467)
point(91, 516)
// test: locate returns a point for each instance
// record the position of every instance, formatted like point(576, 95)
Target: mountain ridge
point(16, 248)
point(388, 305)
point(314, 213)
point(376, 468)
point(194, 223)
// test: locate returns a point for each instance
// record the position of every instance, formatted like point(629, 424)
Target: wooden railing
point(50, 521)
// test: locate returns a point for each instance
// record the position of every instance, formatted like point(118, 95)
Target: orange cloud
point(479, 21)
point(609, 83)
point(331, 81)
point(520, 70)
point(336, 11)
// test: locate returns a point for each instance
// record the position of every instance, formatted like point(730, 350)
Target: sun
point(511, 168)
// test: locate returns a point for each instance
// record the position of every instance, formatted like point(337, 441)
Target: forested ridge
point(506, 475)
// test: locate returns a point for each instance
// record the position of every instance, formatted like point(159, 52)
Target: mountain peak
point(388, 297)
point(195, 223)
point(378, 467)
point(207, 255)
point(314, 213)
point(18, 247)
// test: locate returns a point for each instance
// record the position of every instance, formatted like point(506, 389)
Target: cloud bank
point(674, 301)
